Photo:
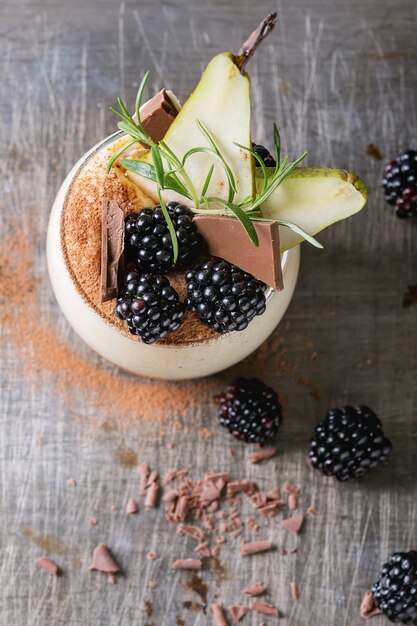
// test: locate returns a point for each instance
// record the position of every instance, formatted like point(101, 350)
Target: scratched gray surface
point(337, 76)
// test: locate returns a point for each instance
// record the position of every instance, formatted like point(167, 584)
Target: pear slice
point(314, 198)
point(221, 102)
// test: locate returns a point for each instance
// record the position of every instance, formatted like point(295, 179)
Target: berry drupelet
point(395, 593)
point(265, 155)
point(348, 443)
point(400, 184)
point(223, 296)
point(150, 306)
point(250, 410)
point(148, 240)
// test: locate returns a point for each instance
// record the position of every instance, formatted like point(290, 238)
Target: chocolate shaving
point(48, 565)
point(112, 246)
point(103, 561)
point(187, 564)
point(262, 455)
point(265, 608)
point(247, 548)
point(218, 615)
point(293, 524)
point(255, 590)
point(254, 39)
point(238, 611)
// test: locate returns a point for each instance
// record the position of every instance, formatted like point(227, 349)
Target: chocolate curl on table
point(226, 238)
point(112, 247)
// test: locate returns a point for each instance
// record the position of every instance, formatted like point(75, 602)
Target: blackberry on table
point(400, 184)
point(348, 443)
point(265, 155)
point(395, 593)
point(223, 296)
point(148, 241)
point(250, 410)
point(150, 306)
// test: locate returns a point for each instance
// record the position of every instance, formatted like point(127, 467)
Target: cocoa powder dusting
point(44, 353)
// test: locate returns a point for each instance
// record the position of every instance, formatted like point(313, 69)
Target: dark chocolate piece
point(112, 246)
point(227, 239)
point(157, 115)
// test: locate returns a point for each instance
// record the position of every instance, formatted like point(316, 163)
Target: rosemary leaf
point(139, 99)
point(158, 165)
point(118, 153)
point(277, 142)
point(207, 181)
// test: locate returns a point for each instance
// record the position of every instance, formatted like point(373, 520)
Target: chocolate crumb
point(103, 561)
point(294, 591)
point(368, 607)
point(48, 565)
point(293, 524)
point(132, 507)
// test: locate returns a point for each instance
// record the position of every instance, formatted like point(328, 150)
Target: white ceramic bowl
point(171, 362)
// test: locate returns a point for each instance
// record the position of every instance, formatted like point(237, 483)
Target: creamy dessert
point(173, 244)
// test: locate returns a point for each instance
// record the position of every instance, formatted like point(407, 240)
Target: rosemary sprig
point(176, 178)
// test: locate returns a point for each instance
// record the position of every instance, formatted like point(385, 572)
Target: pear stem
point(252, 42)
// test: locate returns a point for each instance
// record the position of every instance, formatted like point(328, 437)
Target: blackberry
point(223, 296)
point(148, 241)
point(348, 443)
point(250, 410)
point(395, 592)
point(150, 306)
point(400, 184)
point(265, 155)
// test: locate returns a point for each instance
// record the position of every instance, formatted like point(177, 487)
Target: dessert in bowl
point(173, 245)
